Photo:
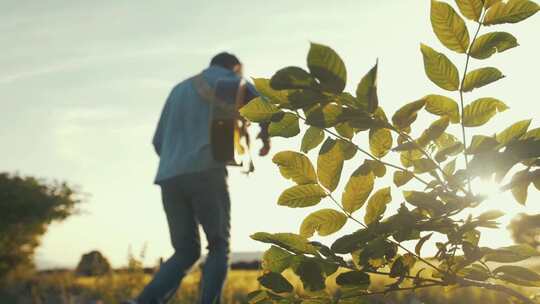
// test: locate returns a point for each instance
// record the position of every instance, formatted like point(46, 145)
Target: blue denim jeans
point(191, 200)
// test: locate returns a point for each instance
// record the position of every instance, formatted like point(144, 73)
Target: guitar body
point(225, 123)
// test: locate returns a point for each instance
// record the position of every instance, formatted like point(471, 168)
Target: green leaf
point(511, 254)
point(481, 77)
point(324, 221)
point(434, 131)
point(488, 44)
point(324, 116)
point(292, 78)
point(351, 242)
point(301, 196)
point(402, 177)
point(286, 127)
point(471, 9)
point(481, 111)
point(258, 110)
point(489, 3)
point(407, 158)
point(356, 279)
point(366, 91)
point(378, 168)
point(449, 27)
point(475, 272)
point(532, 134)
point(330, 164)
point(450, 167)
point(442, 106)
point(518, 275)
point(425, 201)
point(313, 137)
point(290, 241)
point(275, 282)
point(295, 166)
point(311, 274)
point(273, 96)
point(511, 11)
point(439, 69)
point(380, 141)
point(326, 65)
point(345, 130)
point(421, 242)
point(452, 150)
point(423, 165)
point(490, 215)
point(357, 190)
point(481, 143)
point(348, 149)
point(302, 99)
point(276, 259)
point(513, 132)
point(377, 205)
point(406, 115)
point(520, 185)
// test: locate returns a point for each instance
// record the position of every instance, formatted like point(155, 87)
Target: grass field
point(65, 287)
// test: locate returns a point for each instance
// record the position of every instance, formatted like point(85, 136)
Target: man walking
point(193, 180)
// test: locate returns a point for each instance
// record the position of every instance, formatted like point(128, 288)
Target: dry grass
point(66, 288)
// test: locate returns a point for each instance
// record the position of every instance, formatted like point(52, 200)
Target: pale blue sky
point(82, 84)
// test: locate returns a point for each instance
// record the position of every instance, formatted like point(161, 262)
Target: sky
point(82, 85)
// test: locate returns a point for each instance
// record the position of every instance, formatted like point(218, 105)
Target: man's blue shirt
point(182, 137)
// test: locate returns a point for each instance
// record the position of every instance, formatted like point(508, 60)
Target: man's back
point(182, 137)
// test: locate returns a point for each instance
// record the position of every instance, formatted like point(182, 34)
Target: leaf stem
point(390, 240)
point(462, 102)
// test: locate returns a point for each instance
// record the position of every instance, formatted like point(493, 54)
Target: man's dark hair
point(225, 60)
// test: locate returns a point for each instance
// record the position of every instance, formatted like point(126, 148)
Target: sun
point(487, 187)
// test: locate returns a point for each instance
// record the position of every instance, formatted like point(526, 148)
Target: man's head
point(228, 61)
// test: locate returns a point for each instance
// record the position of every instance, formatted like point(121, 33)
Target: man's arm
point(157, 140)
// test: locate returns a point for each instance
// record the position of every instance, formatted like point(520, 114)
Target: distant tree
point(93, 264)
point(525, 229)
point(27, 207)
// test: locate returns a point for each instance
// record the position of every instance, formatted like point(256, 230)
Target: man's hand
point(263, 136)
point(265, 148)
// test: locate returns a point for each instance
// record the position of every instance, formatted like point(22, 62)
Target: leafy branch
point(316, 98)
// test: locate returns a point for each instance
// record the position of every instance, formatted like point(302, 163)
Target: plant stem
point(500, 288)
point(391, 290)
point(390, 240)
point(462, 102)
point(369, 154)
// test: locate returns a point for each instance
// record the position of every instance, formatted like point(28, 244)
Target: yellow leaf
point(481, 111)
point(377, 205)
point(439, 69)
point(491, 43)
point(481, 77)
point(300, 196)
point(513, 132)
point(442, 106)
point(295, 166)
point(406, 115)
point(258, 110)
point(313, 137)
point(286, 127)
point(449, 27)
point(357, 190)
point(511, 11)
point(380, 141)
point(330, 164)
point(402, 177)
point(471, 9)
point(325, 222)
